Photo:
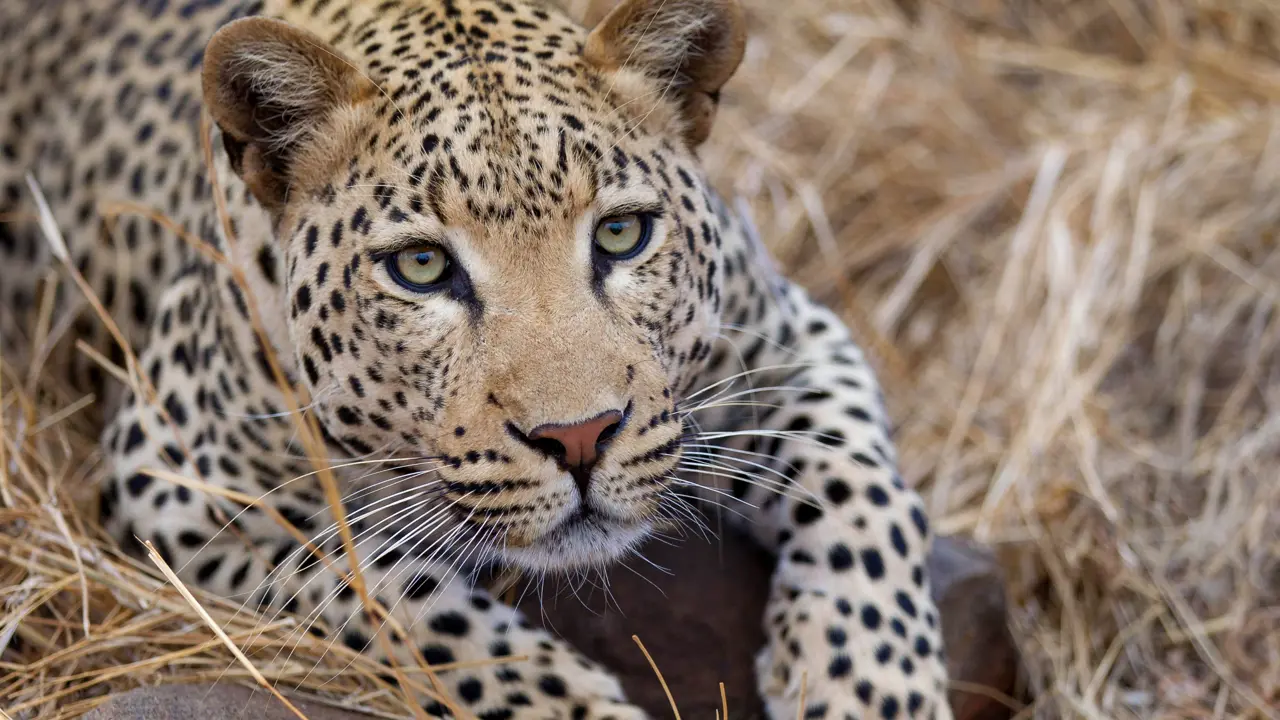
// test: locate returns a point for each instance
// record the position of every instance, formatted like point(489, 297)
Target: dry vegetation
point(1053, 222)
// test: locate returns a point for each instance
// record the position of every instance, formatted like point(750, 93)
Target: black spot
point(552, 685)
point(838, 491)
point(303, 298)
point(173, 454)
point(831, 438)
point(470, 690)
point(871, 617)
point(133, 438)
point(437, 655)
point(313, 374)
point(889, 708)
point(840, 667)
point(899, 542)
point(922, 647)
point(863, 690)
point(138, 484)
point(873, 563)
point(918, 518)
point(420, 586)
point(237, 578)
point(284, 551)
point(267, 262)
point(807, 514)
point(162, 548)
point(841, 557)
point(905, 602)
point(865, 460)
point(355, 640)
point(206, 571)
point(884, 654)
point(802, 557)
point(877, 495)
point(228, 466)
point(451, 623)
point(858, 413)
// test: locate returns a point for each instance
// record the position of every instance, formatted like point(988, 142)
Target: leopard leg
point(850, 623)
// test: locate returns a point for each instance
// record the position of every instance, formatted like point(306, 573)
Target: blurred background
point(1053, 224)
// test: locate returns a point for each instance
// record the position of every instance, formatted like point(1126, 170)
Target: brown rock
point(703, 624)
point(209, 702)
point(968, 587)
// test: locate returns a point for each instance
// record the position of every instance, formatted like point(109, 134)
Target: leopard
point(382, 293)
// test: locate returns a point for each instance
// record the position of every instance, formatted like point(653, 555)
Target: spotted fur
point(502, 130)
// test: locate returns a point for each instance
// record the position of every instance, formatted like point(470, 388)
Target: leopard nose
point(579, 444)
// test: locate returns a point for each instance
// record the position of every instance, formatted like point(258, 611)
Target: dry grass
point(1051, 221)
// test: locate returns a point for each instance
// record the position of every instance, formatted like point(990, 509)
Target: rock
point(703, 624)
point(968, 587)
point(209, 702)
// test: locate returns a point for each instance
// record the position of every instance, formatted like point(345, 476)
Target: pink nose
point(577, 445)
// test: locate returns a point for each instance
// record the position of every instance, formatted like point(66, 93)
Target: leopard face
point(503, 263)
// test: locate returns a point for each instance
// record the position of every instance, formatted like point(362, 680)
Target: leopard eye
point(419, 268)
point(623, 236)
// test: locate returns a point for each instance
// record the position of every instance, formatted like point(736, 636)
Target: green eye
point(623, 236)
point(418, 268)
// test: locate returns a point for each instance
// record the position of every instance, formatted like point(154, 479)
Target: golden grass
point(1053, 225)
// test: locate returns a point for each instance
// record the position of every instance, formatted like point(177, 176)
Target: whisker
point(776, 488)
point(750, 372)
point(741, 393)
point(713, 456)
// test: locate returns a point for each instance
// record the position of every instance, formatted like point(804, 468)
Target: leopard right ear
point(597, 11)
point(689, 48)
point(274, 89)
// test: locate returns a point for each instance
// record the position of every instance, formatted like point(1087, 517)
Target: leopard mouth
point(586, 538)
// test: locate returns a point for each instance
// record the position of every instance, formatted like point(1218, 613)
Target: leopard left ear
point(691, 47)
point(276, 92)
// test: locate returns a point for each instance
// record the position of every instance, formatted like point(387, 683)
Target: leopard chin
point(586, 539)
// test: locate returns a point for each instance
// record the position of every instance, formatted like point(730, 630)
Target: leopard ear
point(597, 10)
point(690, 47)
point(275, 90)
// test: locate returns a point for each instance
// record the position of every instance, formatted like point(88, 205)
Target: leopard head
point(503, 258)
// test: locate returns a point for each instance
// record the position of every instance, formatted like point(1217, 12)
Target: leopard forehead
point(487, 112)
